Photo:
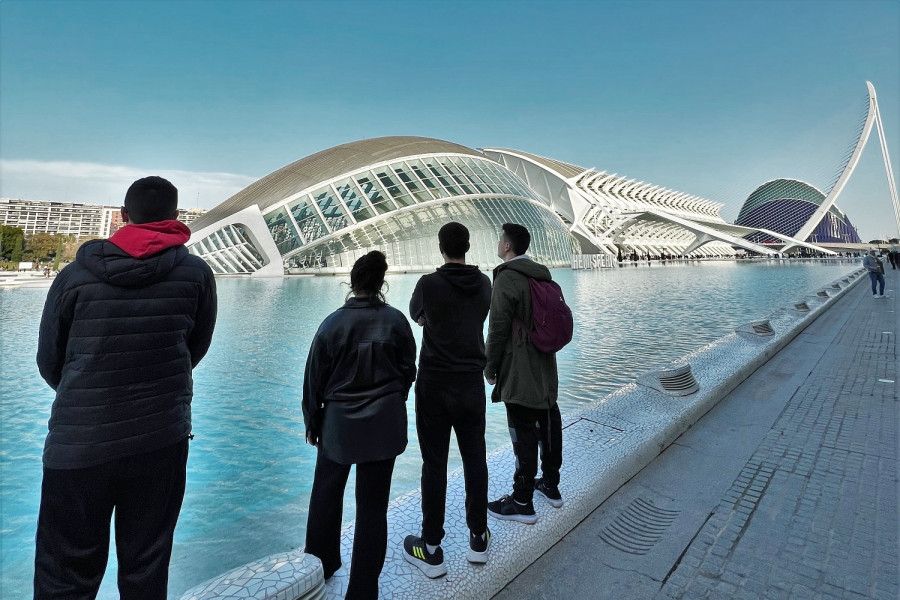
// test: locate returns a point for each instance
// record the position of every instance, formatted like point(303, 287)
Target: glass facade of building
point(396, 207)
point(785, 205)
point(551, 243)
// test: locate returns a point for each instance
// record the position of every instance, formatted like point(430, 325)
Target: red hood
point(145, 239)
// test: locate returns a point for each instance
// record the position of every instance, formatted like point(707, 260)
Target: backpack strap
point(521, 331)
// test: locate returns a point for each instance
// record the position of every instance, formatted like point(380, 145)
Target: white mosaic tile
point(283, 576)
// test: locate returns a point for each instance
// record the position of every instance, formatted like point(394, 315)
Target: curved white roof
point(324, 165)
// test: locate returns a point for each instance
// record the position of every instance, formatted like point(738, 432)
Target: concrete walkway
point(788, 488)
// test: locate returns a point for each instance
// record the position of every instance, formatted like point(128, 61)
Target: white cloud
point(94, 183)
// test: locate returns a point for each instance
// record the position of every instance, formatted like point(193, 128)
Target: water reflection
point(249, 472)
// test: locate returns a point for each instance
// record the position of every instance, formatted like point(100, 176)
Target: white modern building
point(320, 213)
point(786, 205)
point(609, 213)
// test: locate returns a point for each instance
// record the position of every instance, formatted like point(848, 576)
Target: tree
point(11, 243)
point(41, 246)
point(71, 245)
point(60, 240)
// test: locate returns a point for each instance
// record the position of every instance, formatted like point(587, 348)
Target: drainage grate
point(845, 280)
point(637, 529)
point(756, 329)
point(836, 286)
point(763, 328)
point(801, 306)
point(677, 381)
point(822, 294)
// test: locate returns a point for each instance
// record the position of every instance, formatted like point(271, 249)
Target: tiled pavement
point(787, 489)
point(813, 513)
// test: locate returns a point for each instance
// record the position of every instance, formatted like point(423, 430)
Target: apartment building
point(67, 218)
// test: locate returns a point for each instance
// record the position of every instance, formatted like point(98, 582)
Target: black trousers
point(531, 430)
point(323, 526)
point(145, 491)
point(440, 407)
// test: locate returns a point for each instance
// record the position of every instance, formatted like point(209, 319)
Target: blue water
point(249, 472)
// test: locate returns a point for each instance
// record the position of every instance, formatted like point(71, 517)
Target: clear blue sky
point(708, 98)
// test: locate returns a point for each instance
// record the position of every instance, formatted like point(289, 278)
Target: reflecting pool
point(249, 472)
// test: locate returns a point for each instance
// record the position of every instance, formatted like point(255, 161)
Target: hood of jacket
point(141, 240)
point(526, 267)
point(465, 278)
point(136, 255)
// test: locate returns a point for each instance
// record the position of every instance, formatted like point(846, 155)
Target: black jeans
point(145, 490)
point(440, 407)
point(532, 429)
point(323, 527)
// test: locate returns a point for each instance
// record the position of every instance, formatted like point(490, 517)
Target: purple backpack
point(552, 324)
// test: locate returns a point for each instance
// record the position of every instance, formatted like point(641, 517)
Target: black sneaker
point(551, 493)
point(478, 547)
point(416, 554)
point(507, 509)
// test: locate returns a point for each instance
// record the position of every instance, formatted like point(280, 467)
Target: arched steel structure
point(320, 213)
point(873, 119)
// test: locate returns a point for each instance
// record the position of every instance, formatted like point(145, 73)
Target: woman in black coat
point(358, 373)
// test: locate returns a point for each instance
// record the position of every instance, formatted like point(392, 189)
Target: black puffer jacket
point(119, 337)
point(360, 367)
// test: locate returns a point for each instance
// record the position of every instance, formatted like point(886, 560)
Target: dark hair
point(454, 239)
point(518, 237)
point(367, 275)
point(151, 199)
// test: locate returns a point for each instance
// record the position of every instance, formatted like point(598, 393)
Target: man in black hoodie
point(451, 304)
point(122, 329)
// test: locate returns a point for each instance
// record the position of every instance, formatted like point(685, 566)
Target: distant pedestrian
point(875, 267)
point(123, 327)
point(360, 367)
point(451, 304)
point(525, 380)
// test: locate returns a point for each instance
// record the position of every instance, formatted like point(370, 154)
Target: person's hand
point(421, 321)
point(491, 381)
point(312, 439)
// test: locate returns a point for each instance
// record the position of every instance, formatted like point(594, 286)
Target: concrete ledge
point(605, 445)
point(285, 576)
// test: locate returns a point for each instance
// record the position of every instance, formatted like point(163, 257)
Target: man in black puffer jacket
point(123, 327)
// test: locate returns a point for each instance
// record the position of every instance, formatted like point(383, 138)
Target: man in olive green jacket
point(525, 380)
